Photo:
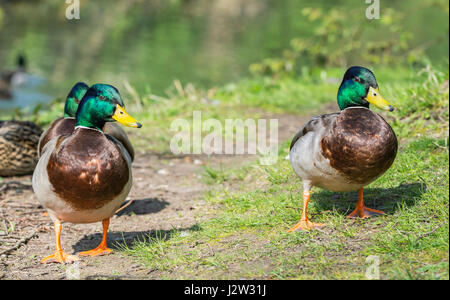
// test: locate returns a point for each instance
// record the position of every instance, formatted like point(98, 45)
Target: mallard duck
point(345, 151)
point(5, 90)
point(18, 144)
point(13, 77)
point(65, 125)
point(85, 176)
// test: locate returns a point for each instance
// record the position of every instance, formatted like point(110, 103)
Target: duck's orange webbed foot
point(365, 212)
point(304, 223)
point(101, 249)
point(361, 210)
point(60, 257)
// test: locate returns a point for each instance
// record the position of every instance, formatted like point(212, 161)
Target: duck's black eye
point(121, 112)
point(101, 97)
point(359, 79)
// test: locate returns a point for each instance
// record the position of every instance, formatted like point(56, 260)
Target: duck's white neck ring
point(357, 107)
point(84, 127)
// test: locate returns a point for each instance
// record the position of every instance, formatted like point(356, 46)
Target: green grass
point(246, 233)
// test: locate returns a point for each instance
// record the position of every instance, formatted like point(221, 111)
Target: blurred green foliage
point(422, 108)
point(152, 42)
point(338, 40)
point(1, 17)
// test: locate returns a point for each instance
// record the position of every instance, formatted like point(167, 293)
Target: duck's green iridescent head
point(74, 98)
point(360, 88)
point(102, 103)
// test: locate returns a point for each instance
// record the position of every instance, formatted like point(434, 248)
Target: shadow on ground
point(144, 206)
point(385, 199)
point(121, 240)
point(14, 185)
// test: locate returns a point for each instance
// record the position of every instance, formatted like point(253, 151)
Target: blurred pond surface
point(148, 43)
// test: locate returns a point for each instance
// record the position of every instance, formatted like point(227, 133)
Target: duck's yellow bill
point(374, 97)
point(124, 118)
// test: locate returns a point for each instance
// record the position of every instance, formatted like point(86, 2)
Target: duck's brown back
point(360, 145)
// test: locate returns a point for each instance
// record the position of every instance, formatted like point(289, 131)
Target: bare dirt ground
point(167, 193)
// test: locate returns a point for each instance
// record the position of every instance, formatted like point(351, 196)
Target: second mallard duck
point(65, 125)
point(345, 151)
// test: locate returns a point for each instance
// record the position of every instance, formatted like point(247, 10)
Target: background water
point(151, 43)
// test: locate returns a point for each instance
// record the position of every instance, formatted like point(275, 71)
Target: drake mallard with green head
point(84, 177)
point(345, 151)
point(18, 147)
point(66, 124)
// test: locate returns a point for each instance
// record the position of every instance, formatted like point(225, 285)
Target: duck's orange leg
point(304, 223)
point(361, 210)
point(59, 255)
point(102, 249)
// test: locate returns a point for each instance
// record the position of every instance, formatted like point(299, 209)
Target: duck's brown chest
point(87, 171)
point(360, 145)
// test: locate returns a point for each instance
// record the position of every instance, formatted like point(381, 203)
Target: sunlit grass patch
point(248, 233)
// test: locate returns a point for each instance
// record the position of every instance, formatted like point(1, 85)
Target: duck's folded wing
point(123, 151)
point(43, 139)
point(113, 129)
point(317, 122)
point(60, 126)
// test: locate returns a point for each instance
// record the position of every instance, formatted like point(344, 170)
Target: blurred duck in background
point(11, 78)
point(18, 147)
